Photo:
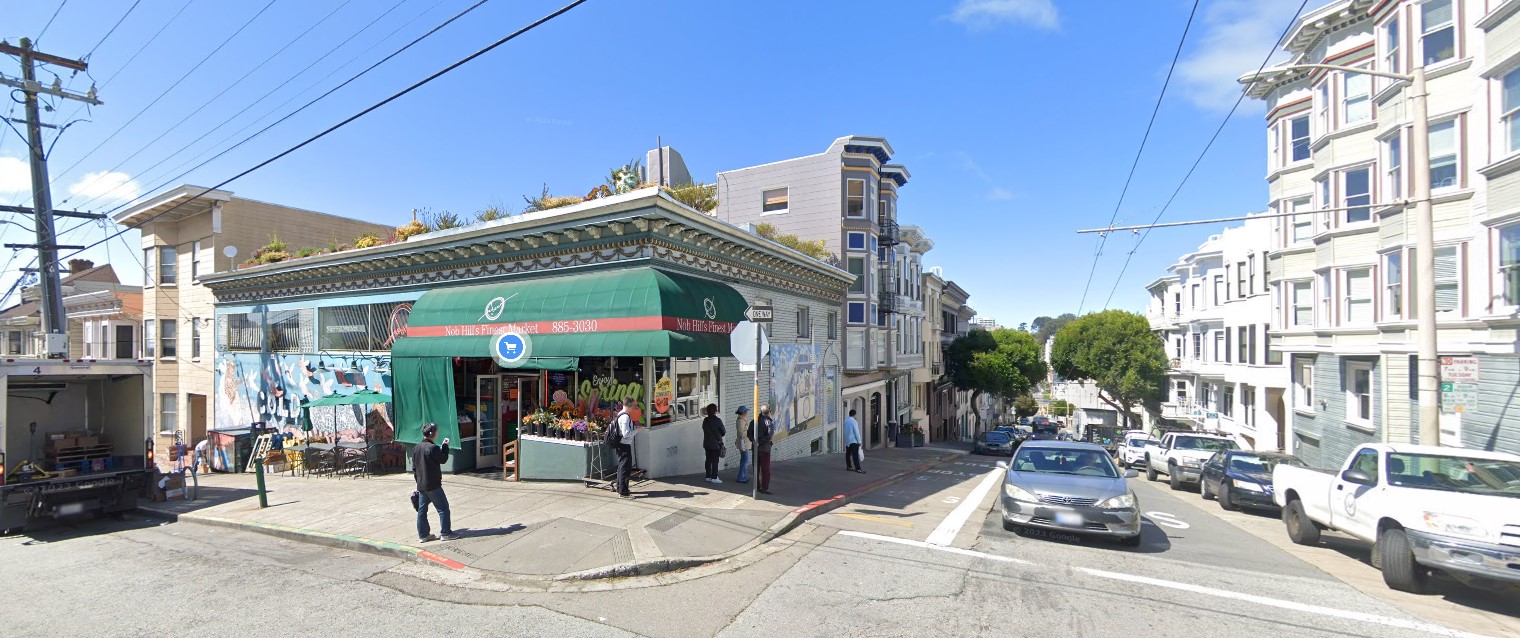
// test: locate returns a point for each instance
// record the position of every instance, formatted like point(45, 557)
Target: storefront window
point(605, 379)
point(696, 385)
point(363, 327)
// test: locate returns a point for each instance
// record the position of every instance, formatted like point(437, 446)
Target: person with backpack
point(740, 418)
point(761, 433)
point(620, 436)
point(712, 441)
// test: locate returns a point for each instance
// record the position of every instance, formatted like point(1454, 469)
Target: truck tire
point(1150, 470)
point(1400, 571)
point(1224, 499)
point(1301, 530)
point(1173, 478)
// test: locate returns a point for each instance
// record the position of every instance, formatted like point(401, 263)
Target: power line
point(298, 110)
point(398, 95)
point(1201, 154)
point(50, 20)
point(113, 29)
point(202, 107)
point(139, 52)
point(173, 85)
point(1102, 241)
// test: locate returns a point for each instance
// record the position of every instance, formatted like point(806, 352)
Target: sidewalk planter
point(559, 459)
point(918, 440)
point(904, 440)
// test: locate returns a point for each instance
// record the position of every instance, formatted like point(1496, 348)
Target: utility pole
point(55, 325)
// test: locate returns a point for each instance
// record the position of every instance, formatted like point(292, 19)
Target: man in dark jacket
point(426, 459)
point(712, 441)
point(763, 439)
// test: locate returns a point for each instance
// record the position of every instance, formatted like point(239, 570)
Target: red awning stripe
point(575, 326)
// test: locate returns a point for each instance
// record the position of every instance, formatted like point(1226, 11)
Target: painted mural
point(797, 386)
point(269, 388)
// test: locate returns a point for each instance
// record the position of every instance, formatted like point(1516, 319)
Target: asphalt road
point(925, 556)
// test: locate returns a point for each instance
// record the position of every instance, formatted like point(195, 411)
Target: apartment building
point(187, 233)
point(1212, 310)
point(1341, 271)
point(950, 411)
point(103, 314)
point(847, 198)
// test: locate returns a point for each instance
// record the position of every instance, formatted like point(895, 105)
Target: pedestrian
point(426, 459)
point(712, 441)
point(623, 421)
point(761, 432)
point(740, 419)
point(852, 444)
point(202, 455)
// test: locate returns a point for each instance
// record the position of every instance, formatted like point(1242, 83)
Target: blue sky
point(1018, 119)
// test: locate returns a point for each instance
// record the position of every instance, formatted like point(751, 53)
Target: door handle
point(1340, 488)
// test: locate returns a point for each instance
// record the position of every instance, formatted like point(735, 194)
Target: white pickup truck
point(1180, 456)
point(1421, 507)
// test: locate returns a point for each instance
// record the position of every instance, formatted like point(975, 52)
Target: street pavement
point(926, 555)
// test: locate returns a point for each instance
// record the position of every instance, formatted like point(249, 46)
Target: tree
point(1061, 407)
point(1117, 351)
point(1046, 327)
point(703, 197)
point(1004, 363)
point(1024, 327)
point(1025, 405)
point(814, 249)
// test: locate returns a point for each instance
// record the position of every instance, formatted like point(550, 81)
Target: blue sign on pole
point(510, 349)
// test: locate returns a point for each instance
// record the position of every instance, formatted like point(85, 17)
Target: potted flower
point(917, 433)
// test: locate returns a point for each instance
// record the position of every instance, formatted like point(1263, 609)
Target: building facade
point(1341, 271)
point(952, 412)
point(847, 198)
point(104, 316)
point(1212, 312)
point(188, 232)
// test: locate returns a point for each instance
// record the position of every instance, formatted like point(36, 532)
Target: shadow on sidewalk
point(490, 531)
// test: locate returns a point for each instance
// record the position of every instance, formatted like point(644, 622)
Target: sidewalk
point(547, 530)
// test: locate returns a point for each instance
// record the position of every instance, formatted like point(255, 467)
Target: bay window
point(1326, 310)
point(1322, 187)
point(1509, 264)
point(1391, 48)
point(1509, 110)
point(1358, 296)
point(855, 198)
point(1438, 34)
point(1298, 135)
point(1394, 151)
point(1393, 288)
point(1303, 223)
point(1448, 279)
point(1322, 105)
point(1356, 187)
point(1303, 308)
point(1443, 154)
point(1356, 97)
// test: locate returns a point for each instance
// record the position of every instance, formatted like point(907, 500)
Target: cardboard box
point(63, 443)
point(174, 495)
point(87, 441)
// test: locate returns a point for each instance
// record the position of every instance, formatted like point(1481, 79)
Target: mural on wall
point(796, 386)
point(269, 388)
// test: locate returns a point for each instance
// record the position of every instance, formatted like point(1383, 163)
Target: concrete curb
point(787, 523)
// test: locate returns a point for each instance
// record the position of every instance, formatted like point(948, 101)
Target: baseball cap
point(742, 410)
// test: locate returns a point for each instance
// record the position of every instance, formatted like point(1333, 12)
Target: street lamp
point(1425, 257)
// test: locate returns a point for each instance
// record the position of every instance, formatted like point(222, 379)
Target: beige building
point(186, 233)
point(103, 315)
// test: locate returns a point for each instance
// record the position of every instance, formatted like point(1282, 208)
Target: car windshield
point(1255, 464)
point(1065, 461)
point(1201, 443)
point(1455, 474)
point(1139, 442)
point(1045, 428)
point(997, 437)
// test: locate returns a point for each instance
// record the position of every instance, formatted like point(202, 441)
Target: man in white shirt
point(624, 448)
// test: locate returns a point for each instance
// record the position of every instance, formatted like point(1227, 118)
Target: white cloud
point(986, 14)
point(15, 176)
point(108, 186)
point(1237, 35)
point(1000, 194)
point(997, 193)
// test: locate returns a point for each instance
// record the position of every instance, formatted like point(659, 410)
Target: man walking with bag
point(712, 441)
point(740, 417)
point(852, 444)
point(761, 432)
point(426, 459)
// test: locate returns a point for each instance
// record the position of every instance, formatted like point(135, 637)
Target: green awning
point(359, 397)
point(471, 347)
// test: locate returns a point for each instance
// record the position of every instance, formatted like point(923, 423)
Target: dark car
point(993, 442)
point(1241, 478)
point(1024, 421)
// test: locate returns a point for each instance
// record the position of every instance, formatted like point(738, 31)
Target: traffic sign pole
point(759, 315)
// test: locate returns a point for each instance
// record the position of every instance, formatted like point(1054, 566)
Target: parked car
point(1132, 450)
point(1241, 478)
point(1024, 421)
point(1071, 487)
point(1180, 456)
point(993, 442)
point(1422, 507)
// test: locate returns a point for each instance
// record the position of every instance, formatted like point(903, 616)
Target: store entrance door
point(487, 421)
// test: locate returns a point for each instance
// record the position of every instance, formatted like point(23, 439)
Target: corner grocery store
point(626, 297)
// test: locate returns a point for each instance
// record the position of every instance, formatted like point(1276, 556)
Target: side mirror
point(1002, 465)
point(1131, 473)
point(1359, 477)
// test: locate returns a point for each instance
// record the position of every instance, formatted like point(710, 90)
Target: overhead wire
point(107, 36)
point(1238, 100)
point(398, 95)
point(1103, 239)
point(50, 20)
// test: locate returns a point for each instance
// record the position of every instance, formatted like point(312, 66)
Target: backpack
point(614, 434)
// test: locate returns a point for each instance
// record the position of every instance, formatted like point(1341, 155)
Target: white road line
point(948, 528)
point(1286, 604)
point(952, 550)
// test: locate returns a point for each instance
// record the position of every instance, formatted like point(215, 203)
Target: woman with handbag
point(712, 441)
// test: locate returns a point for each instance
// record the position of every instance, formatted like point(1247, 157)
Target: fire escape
point(886, 290)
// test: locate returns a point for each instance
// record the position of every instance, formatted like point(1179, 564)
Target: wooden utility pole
point(55, 325)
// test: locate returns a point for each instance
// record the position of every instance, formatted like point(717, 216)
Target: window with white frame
point(195, 338)
point(855, 242)
point(1303, 305)
point(1248, 404)
point(773, 200)
point(168, 413)
point(857, 312)
point(1298, 138)
point(1326, 311)
point(150, 349)
point(1438, 33)
point(1322, 188)
point(1391, 48)
point(1303, 223)
point(1509, 264)
point(1251, 276)
point(1243, 344)
point(1227, 403)
point(1277, 304)
point(1356, 97)
point(1358, 296)
point(1303, 383)
point(1443, 154)
point(1448, 279)
point(1322, 106)
point(1240, 280)
point(855, 198)
point(1272, 357)
point(147, 261)
point(857, 266)
point(1358, 380)
point(1509, 110)
point(168, 342)
point(1219, 348)
point(166, 259)
point(1356, 189)
point(195, 260)
point(1393, 149)
point(1274, 149)
point(1393, 285)
point(1198, 345)
point(1196, 290)
point(1219, 292)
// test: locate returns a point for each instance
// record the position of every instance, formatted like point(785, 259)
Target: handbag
point(416, 501)
point(723, 451)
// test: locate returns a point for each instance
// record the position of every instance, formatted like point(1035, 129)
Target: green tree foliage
point(1117, 351)
point(441, 220)
point(624, 178)
point(1025, 405)
point(1046, 327)
point(814, 249)
point(545, 201)
point(492, 213)
point(703, 197)
point(1004, 363)
point(1061, 407)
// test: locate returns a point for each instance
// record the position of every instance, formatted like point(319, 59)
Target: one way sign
point(759, 314)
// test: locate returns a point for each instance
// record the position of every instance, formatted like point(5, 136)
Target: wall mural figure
point(270, 388)
point(796, 384)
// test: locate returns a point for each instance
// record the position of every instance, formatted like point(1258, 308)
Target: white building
point(1212, 310)
point(1341, 273)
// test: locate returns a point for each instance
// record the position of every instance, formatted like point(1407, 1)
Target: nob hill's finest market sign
point(575, 326)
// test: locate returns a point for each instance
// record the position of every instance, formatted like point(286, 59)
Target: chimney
point(77, 266)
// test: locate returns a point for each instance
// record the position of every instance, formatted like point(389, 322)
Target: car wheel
point(1400, 571)
point(1131, 541)
point(1150, 472)
point(1173, 479)
point(1301, 530)
point(1225, 501)
point(1203, 489)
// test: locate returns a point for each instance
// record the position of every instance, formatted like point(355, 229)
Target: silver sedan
point(1071, 487)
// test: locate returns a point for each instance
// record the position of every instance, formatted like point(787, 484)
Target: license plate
point(1069, 519)
point(70, 508)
